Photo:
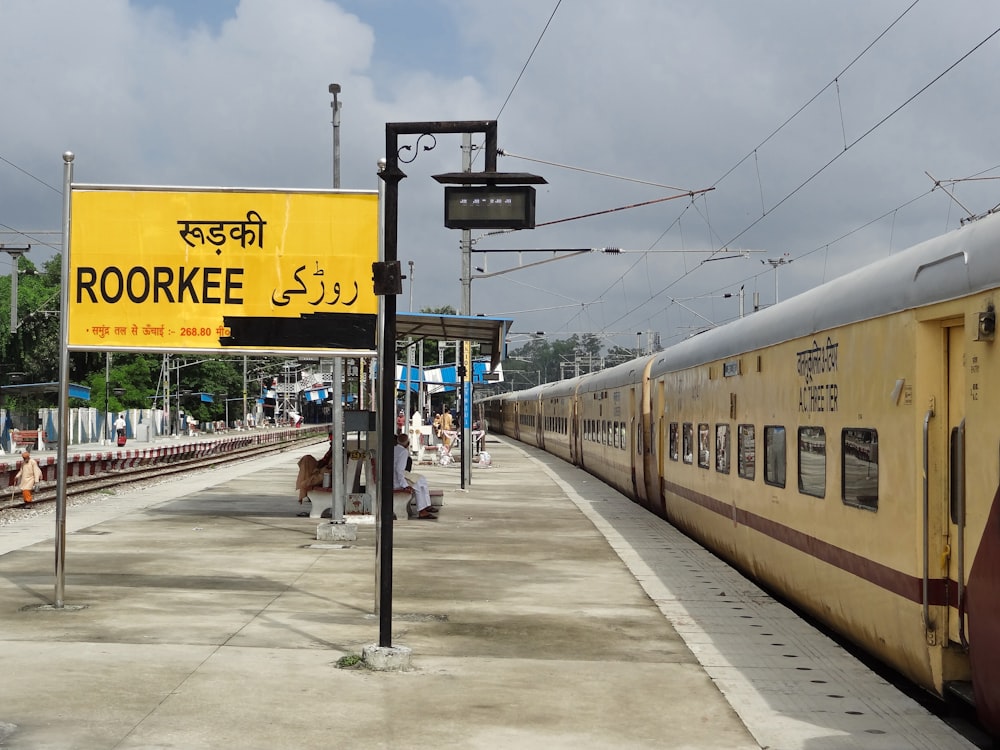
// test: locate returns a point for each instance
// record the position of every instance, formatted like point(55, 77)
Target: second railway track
point(94, 472)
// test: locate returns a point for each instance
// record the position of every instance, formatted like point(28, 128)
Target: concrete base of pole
point(337, 532)
point(387, 658)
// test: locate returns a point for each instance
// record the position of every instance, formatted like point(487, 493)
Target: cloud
point(687, 95)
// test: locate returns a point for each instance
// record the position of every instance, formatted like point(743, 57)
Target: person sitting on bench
point(403, 480)
point(311, 472)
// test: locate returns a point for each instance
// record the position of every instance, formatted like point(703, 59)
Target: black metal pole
point(391, 175)
point(387, 390)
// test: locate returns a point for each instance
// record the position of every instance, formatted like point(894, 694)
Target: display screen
point(488, 207)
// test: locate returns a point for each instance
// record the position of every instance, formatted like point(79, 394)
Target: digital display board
point(489, 207)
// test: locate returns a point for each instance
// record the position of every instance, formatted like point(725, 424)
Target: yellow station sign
point(238, 270)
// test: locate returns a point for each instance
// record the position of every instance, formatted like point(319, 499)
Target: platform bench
point(402, 503)
point(25, 437)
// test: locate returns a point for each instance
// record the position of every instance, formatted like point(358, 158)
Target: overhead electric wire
point(818, 94)
point(773, 133)
point(478, 148)
point(526, 62)
point(31, 236)
point(28, 174)
point(864, 135)
point(502, 152)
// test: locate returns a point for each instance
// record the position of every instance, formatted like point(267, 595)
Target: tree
point(136, 375)
point(33, 349)
point(431, 349)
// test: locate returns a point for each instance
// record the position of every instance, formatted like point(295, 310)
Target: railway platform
point(543, 610)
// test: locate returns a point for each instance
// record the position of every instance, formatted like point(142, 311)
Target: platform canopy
point(75, 391)
point(489, 333)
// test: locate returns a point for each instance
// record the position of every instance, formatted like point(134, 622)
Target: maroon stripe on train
point(981, 598)
point(890, 579)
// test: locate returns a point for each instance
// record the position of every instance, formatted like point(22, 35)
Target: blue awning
point(445, 378)
point(75, 391)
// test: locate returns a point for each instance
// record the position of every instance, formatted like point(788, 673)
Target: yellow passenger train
point(841, 447)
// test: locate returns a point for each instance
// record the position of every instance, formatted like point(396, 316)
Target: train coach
point(610, 410)
point(841, 447)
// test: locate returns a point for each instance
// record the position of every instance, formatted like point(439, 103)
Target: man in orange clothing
point(28, 475)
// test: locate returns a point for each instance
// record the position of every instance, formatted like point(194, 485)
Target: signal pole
point(15, 254)
point(774, 263)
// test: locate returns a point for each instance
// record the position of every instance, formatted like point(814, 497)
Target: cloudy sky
point(811, 124)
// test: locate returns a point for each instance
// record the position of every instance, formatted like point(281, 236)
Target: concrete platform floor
point(203, 613)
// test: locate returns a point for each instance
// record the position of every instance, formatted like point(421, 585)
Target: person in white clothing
point(403, 480)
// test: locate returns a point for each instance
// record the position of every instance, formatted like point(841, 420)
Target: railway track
point(111, 473)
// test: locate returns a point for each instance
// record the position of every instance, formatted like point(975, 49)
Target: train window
point(688, 440)
point(674, 455)
point(722, 448)
point(859, 471)
point(704, 450)
point(774, 455)
point(812, 461)
point(956, 483)
point(747, 450)
point(614, 434)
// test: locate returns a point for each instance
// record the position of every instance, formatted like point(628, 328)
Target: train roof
point(953, 265)
point(612, 377)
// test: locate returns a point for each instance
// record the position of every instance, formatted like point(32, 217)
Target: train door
point(574, 428)
point(540, 423)
point(634, 445)
point(653, 459)
point(957, 564)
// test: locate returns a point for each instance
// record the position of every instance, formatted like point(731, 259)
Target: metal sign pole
point(465, 360)
point(63, 389)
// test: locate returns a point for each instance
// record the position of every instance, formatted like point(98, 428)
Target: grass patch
point(351, 661)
